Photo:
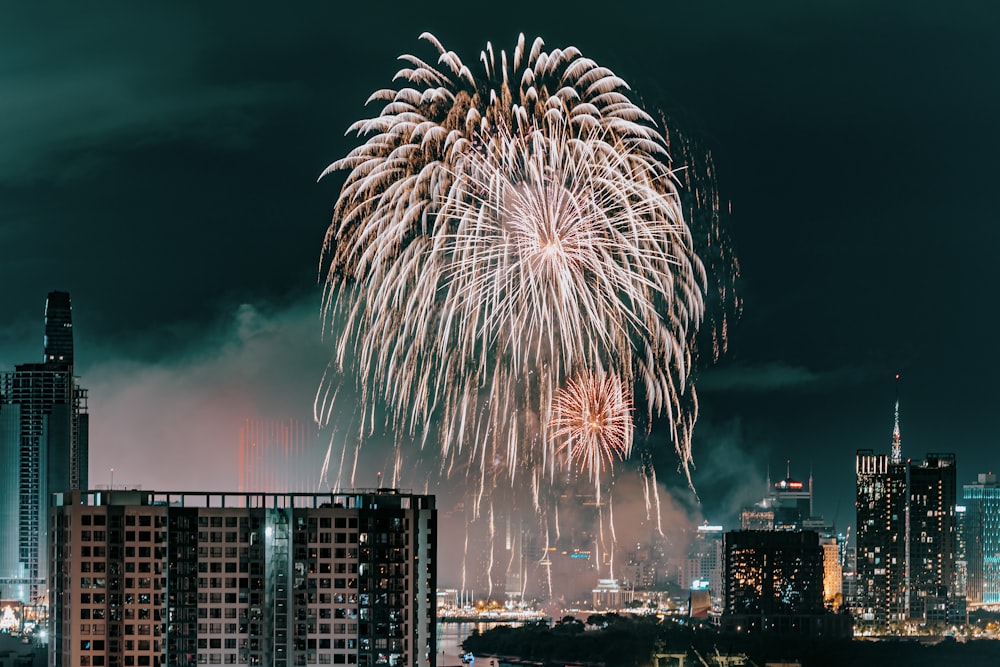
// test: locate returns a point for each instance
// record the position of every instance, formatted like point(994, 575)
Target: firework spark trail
point(465, 550)
point(492, 550)
point(501, 232)
point(651, 482)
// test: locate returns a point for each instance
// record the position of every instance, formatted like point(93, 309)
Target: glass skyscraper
point(43, 449)
point(982, 538)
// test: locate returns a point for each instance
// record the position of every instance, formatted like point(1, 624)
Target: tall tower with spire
point(882, 534)
point(897, 443)
point(43, 450)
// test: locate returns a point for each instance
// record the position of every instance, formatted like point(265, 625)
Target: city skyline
point(852, 144)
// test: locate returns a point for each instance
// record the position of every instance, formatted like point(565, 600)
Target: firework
point(498, 234)
point(593, 416)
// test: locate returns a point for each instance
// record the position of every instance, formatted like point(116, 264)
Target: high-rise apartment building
point(146, 578)
point(881, 595)
point(982, 538)
point(43, 449)
point(932, 540)
point(774, 584)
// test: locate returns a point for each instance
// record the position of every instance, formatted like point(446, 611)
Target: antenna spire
point(897, 448)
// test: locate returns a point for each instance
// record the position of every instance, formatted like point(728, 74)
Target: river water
point(451, 635)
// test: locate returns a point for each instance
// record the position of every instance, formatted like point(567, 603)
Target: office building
point(932, 540)
point(982, 538)
point(786, 505)
point(43, 449)
point(146, 578)
point(793, 505)
point(881, 593)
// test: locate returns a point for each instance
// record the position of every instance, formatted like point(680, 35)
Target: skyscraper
point(145, 578)
point(881, 598)
point(786, 505)
point(43, 449)
point(58, 329)
point(932, 538)
point(982, 538)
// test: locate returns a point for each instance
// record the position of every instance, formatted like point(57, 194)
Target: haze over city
point(161, 163)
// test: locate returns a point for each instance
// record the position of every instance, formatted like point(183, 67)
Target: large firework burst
point(498, 235)
point(507, 266)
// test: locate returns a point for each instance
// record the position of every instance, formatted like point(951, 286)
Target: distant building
point(982, 538)
point(703, 569)
point(932, 540)
point(774, 584)
point(642, 566)
point(793, 502)
point(610, 594)
point(833, 580)
point(961, 554)
point(786, 505)
point(43, 449)
point(145, 578)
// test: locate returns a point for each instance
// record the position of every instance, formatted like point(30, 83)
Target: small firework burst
point(593, 421)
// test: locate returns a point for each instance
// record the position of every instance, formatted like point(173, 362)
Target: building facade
point(774, 584)
point(881, 596)
point(933, 539)
point(833, 573)
point(145, 578)
point(43, 449)
point(982, 539)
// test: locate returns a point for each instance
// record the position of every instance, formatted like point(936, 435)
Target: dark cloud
point(774, 376)
point(132, 76)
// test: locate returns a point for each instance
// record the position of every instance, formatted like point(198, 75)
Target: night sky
point(160, 162)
